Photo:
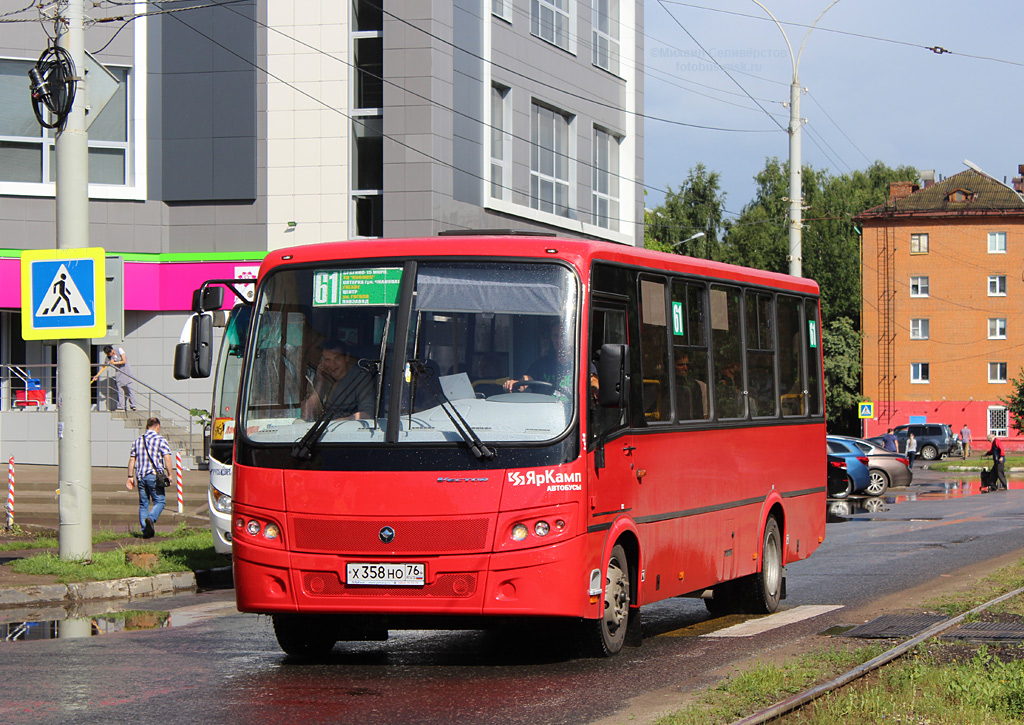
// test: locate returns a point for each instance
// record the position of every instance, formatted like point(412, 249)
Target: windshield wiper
point(303, 450)
point(419, 370)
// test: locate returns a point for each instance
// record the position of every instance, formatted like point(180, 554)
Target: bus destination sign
point(346, 287)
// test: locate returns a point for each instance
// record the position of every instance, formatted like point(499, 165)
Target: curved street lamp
point(795, 163)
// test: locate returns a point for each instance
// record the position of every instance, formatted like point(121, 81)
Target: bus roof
point(579, 252)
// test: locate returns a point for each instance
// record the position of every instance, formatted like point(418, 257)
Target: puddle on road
point(104, 618)
point(839, 509)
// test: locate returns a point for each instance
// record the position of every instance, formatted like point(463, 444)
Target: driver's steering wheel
point(535, 386)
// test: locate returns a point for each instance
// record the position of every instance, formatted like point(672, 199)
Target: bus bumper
point(550, 581)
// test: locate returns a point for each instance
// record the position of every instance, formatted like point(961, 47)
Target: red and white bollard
point(10, 492)
point(177, 471)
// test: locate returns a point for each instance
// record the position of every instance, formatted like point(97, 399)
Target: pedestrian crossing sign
point(63, 294)
point(866, 410)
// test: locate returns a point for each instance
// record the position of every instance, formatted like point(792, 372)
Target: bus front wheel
point(304, 635)
point(604, 637)
point(764, 588)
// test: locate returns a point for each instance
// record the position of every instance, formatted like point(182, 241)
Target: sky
point(876, 95)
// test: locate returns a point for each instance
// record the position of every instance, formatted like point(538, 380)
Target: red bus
point(450, 432)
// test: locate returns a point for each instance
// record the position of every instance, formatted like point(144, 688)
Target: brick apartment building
point(942, 299)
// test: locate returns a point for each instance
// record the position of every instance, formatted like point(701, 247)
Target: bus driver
point(339, 383)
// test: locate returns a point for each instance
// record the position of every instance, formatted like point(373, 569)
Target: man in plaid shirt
point(148, 451)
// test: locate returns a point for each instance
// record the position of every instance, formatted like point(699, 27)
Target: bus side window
point(790, 356)
point(727, 353)
point(654, 349)
point(607, 326)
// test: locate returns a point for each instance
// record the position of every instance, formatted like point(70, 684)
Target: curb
point(130, 588)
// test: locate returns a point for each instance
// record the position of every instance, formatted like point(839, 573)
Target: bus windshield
point(491, 348)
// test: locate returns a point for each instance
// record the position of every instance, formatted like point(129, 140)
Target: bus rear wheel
point(604, 637)
point(304, 635)
point(763, 589)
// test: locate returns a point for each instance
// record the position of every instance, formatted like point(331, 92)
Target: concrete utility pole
point(796, 198)
point(74, 454)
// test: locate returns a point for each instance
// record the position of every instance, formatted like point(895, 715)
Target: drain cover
point(988, 632)
point(895, 626)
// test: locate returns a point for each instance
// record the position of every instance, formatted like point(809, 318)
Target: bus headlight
point(271, 532)
point(221, 501)
point(253, 527)
point(519, 532)
point(541, 528)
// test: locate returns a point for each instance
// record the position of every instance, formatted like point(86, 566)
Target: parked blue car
point(856, 465)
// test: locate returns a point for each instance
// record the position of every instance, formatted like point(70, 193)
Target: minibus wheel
point(764, 588)
point(606, 635)
point(304, 635)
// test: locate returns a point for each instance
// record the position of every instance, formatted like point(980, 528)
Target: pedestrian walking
point(889, 441)
point(965, 438)
point(149, 455)
point(117, 359)
point(996, 476)
point(911, 450)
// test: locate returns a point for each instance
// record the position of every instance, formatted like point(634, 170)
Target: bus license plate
point(403, 575)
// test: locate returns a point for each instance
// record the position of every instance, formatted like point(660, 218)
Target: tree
point(1015, 403)
point(696, 207)
point(840, 347)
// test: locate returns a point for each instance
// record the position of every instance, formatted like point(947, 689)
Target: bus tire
point(763, 589)
point(604, 637)
point(722, 601)
point(304, 635)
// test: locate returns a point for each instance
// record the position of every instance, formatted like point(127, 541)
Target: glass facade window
point(918, 243)
point(998, 421)
point(918, 286)
point(606, 180)
point(919, 329)
point(997, 328)
point(501, 142)
point(920, 373)
point(997, 242)
point(549, 161)
point(550, 21)
point(27, 150)
point(606, 34)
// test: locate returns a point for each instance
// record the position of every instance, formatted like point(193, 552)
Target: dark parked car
point(885, 467)
point(845, 456)
point(934, 440)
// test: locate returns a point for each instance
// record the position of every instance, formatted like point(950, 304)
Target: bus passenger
point(691, 393)
point(339, 383)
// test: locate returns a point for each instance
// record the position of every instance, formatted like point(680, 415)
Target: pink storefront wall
point(954, 412)
point(154, 286)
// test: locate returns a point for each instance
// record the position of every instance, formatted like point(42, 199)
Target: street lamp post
point(795, 162)
point(698, 235)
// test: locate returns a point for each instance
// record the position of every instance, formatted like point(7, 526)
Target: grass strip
point(188, 550)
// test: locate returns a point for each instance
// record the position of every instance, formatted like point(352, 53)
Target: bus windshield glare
point(491, 349)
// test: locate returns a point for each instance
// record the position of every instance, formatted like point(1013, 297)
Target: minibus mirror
point(207, 298)
point(202, 345)
point(183, 361)
point(612, 375)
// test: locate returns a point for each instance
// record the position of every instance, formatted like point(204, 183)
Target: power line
point(837, 126)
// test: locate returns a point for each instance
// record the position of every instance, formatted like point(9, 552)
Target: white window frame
point(605, 180)
point(920, 373)
point(998, 411)
point(502, 9)
point(500, 142)
point(540, 115)
point(997, 242)
point(920, 328)
point(997, 372)
point(919, 286)
point(134, 145)
point(997, 328)
point(997, 285)
point(554, 22)
point(920, 241)
point(606, 40)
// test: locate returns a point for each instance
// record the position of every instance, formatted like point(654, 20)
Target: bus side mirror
point(202, 346)
point(613, 376)
point(205, 299)
point(183, 361)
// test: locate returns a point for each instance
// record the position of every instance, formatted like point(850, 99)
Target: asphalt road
point(218, 666)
